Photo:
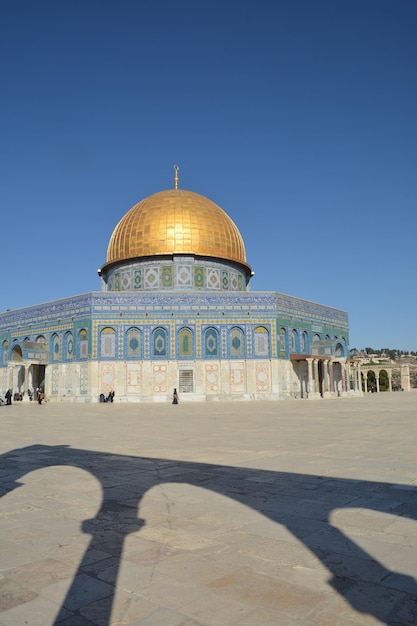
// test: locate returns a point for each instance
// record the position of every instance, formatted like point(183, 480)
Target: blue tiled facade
point(183, 320)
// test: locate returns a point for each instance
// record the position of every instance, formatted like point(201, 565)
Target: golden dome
point(176, 222)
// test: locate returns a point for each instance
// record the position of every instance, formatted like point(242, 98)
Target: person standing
point(8, 397)
point(175, 397)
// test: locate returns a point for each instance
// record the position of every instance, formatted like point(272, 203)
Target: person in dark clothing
point(175, 397)
point(8, 396)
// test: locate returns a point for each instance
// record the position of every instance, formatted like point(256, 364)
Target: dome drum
point(177, 272)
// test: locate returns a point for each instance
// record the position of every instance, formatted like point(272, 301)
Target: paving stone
point(305, 515)
point(257, 590)
point(12, 594)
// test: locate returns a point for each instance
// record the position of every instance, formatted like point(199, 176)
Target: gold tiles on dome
point(176, 222)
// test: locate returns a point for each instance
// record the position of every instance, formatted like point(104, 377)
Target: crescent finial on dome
point(176, 169)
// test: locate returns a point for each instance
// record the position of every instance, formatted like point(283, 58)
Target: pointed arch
point(83, 343)
point(160, 343)
point(211, 342)
point(55, 347)
point(261, 343)
point(283, 342)
point(236, 342)
point(185, 343)
point(108, 343)
point(133, 343)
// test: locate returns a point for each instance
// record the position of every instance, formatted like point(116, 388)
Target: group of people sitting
point(108, 398)
point(18, 396)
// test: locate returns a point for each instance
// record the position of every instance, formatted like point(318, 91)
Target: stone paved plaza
point(246, 513)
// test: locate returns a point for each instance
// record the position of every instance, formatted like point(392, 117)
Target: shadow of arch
point(125, 480)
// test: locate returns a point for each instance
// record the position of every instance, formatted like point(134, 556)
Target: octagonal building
point(175, 310)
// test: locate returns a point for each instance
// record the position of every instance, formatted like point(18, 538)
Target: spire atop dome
point(176, 169)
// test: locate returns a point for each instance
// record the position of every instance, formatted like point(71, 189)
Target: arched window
point(160, 345)
point(236, 343)
point(68, 348)
point(211, 342)
point(304, 341)
point(5, 351)
point(186, 343)
point(83, 339)
point(294, 341)
point(339, 350)
point(133, 343)
point(55, 347)
point(283, 342)
point(261, 342)
point(108, 343)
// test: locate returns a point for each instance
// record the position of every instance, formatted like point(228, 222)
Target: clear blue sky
point(297, 117)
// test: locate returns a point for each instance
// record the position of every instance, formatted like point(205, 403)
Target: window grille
point(186, 381)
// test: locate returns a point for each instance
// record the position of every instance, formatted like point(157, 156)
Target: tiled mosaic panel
point(261, 342)
point(160, 343)
point(236, 344)
point(152, 279)
point(126, 281)
point(186, 349)
point(108, 343)
point(69, 345)
point(213, 279)
point(211, 342)
point(183, 276)
point(133, 343)
point(180, 276)
point(167, 276)
point(199, 275)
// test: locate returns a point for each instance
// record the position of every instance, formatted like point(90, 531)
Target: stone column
point(331, 377)
point(316, 375)
point(326, 386)
point(348, 377)
point(390, 380)
point(343, 373)
point(405, 377)
point(359, 377)
point(26, 384)
point(310, 379)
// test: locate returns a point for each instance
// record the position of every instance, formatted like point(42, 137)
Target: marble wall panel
point(107, 377)
point(212, 378)
point(160, 378)
point(262, 377)
point(237, 377)
point(133, 378)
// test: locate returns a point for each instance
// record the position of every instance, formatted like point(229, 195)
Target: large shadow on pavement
point(286, 498)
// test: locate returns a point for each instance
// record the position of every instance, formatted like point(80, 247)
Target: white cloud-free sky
point(299, 118)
